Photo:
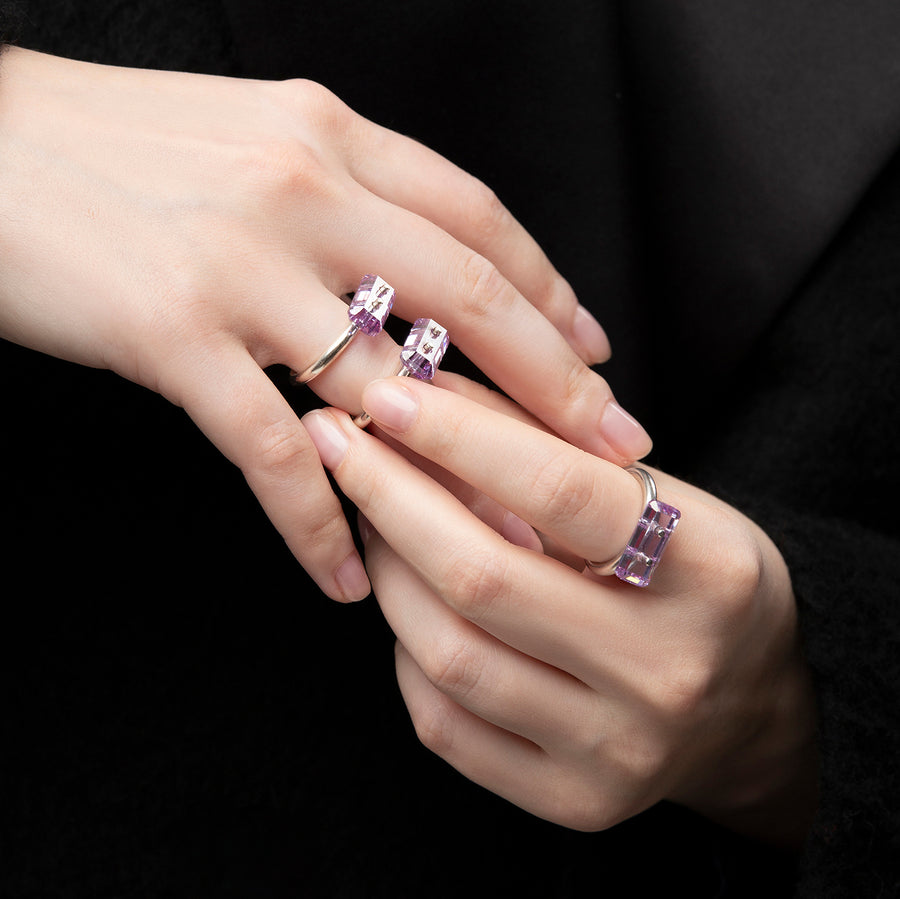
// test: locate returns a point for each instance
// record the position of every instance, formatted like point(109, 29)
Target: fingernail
point(590, 337)
point(326, 434)
point(623, 433)
point(365, 527)
point(352, 579)
point(390, 404)
point(519, 532)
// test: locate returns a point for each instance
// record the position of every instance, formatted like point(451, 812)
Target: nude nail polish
point(352, 579)
point(593, 344)
point(326, 434)
point(390, 404)
point(623, 433)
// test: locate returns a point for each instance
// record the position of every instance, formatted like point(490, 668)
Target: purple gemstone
point(371, 304)
point(647, 543)
point(424, 348)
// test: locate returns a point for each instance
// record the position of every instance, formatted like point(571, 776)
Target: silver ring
point(368, 311)
point(641, 556)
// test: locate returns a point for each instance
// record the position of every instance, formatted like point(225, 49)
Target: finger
point(506, 523)
point(478, 672)
point(588, 505)
point(526, 600)
point(490, 321)
point(295, 320)
point(409, 175)
point(233, 402)
point(502, 762)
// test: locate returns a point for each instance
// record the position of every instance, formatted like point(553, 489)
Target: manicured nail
point(365, 527)
point(590, 337)
point(623, 433)
point(390, 404)
point(352, 580)
point(326, 434)
point(519, 532)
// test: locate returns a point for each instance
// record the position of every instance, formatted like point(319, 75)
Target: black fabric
point(185, 715)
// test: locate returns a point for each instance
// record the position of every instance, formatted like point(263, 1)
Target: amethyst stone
point(647, 543)
point(424, 348)
point(371, 304)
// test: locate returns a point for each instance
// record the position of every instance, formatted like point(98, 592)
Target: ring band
point(368, 311)
point(420, 356)
point(641, 555)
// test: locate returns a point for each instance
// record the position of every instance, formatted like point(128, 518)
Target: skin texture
point(580, 698)
point(189, 231)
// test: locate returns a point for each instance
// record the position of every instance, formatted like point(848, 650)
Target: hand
point(582, 699)
point(188, 231)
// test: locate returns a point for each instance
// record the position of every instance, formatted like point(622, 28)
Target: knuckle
point(482, 288)
point(561, 490)
point(555, 298)
point(735, 594)
point(577, 389)
point(281, 449)
point(472, 580)
point(646, 759)
point(581, 807)
point(681, 693)
point(456, 667)
point(746, 569)
point(434, 725)
point(284, 168)
point(484, 212)
point(317, 104)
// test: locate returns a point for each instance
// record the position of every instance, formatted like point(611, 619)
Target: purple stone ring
point(420, 356)
point(368, 311)
point(640, 557)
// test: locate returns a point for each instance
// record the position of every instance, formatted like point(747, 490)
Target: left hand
point(580, 698)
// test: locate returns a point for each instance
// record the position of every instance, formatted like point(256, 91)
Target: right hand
point(187, 231)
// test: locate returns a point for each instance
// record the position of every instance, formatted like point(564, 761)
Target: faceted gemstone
point(647, 543)
point(424, 348)
point(371, 304)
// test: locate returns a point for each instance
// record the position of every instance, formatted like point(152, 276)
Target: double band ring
point(420, 356)
point(637, 562)
point(368, 311)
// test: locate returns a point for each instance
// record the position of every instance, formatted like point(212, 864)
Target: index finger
point(557, 488)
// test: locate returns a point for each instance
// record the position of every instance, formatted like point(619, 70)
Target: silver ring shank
point(649, 485)
point(328, 356)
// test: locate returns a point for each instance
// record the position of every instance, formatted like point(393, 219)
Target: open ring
point(641, 556)
point(368, 311)
point(420, 357)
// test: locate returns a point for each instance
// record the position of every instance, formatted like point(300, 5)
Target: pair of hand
point(580, 698)
point(188, 231)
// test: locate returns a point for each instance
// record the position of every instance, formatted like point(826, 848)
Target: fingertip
point(517, 531)
point(365, 528)
point(327, 436)
point(624, 433)
point(390, 403)
point(589, 338)
point(351, 580)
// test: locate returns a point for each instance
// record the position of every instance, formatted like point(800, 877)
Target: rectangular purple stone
point(647, 543)
point(371, 304)
point(424, 348)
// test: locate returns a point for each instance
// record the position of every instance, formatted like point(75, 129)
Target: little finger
point(235, 404)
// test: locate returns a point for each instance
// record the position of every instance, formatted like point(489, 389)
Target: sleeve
point(11, 18)
point(845, 577)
